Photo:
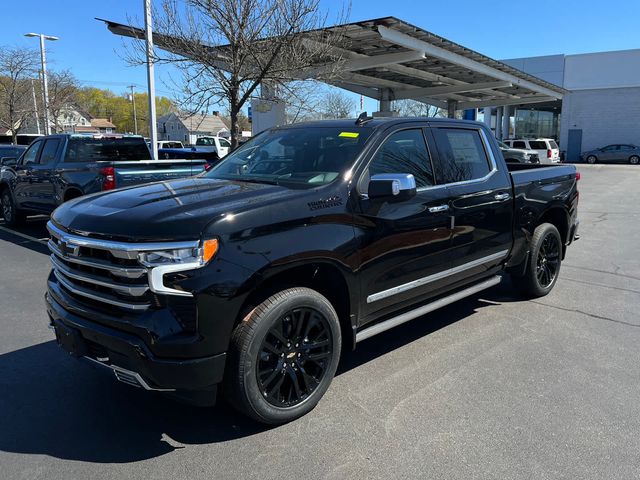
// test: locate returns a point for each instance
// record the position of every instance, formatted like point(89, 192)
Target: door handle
point(501, 197)
point(439, 208)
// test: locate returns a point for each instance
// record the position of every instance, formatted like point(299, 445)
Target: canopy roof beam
point(407, 41)
point(506, 101)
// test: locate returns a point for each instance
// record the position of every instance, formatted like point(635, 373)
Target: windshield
point(295, 157)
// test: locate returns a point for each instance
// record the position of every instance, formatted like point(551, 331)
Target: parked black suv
point(306, 240)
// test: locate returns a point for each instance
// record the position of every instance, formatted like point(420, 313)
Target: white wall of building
point(602, 70)
point(604, 97)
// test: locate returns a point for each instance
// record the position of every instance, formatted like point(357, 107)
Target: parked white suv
point(219, 145)
point(547, 148)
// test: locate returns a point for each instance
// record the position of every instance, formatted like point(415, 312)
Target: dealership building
point(601, 105)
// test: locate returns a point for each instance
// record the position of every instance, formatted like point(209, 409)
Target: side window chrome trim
point(488, 153)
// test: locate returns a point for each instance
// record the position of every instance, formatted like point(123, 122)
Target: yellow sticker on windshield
point(349, 134)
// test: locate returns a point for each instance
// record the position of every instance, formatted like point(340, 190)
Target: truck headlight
point(161, 262)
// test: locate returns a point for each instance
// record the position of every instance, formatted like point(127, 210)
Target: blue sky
point(497, 28)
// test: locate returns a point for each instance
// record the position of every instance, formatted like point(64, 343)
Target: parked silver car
point(613, 154)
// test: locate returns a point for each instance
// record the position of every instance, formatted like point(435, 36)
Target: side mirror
point(392, 186)
point(8, 161)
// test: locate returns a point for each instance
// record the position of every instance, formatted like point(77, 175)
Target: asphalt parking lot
point(493, 387)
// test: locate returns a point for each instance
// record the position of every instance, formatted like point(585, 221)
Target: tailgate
point(146, 171)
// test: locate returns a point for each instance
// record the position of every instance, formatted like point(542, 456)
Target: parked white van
point(547, 148)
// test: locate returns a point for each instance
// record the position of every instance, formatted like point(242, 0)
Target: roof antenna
point(363, 118)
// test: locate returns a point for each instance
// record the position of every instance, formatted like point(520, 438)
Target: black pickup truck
point(57, 168)
point(305, 241)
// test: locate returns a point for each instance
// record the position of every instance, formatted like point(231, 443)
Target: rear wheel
point(634, 160)
point(12, 215)
point(592, 159)
point(283, 356)
point(543, 263)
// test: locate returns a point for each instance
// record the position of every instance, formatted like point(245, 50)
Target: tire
point(283, 356)
point(543, 263)
point(592, 159)
point(634, 160)
point(12, 215)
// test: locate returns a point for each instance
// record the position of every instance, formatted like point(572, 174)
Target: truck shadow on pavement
point(55, 405)
point(31, 235)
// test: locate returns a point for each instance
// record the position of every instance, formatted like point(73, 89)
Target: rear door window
point(519, 144)
point(462, 156)
point(538, 145)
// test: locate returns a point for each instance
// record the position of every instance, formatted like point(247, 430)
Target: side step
point(429, 307)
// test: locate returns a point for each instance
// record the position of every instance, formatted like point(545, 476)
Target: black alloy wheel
point(12, 216)
point(283, 355)
point(539, 272)
point(548, 260)
point(7, 210)
point(294, 356)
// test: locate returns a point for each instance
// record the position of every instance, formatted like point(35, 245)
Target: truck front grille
point(101, 272)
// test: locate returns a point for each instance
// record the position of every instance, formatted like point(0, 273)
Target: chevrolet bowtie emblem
point(68, 248)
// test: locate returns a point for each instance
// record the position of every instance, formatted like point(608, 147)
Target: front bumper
point(128, 357)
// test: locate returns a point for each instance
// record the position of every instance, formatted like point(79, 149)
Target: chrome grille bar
point(132, 290)
point(117, 249)
point(126, 272)
point(98, 296)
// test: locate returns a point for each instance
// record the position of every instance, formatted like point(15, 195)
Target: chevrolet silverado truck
point(305, 241)
point(57, 168)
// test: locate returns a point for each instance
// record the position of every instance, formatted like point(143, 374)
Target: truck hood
point(172, 210)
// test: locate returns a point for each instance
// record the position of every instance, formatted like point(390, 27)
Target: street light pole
point(45, 89)
point(35, 105)
point(135, 115)
point(153, 133)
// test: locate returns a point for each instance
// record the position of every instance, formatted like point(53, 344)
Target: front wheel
point(543, 263)
point(283, 356)
point(12, 215)
point(591, 159)
point(634, 160)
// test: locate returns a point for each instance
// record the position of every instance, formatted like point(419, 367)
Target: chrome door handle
point(439, 208)
point(501, 197)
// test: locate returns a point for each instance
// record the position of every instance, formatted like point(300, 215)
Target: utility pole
point(153, 133)
point(135, 115)
point(45, 89)
point(35, 105)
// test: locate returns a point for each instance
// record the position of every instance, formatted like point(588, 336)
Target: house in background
point(188, 128)
point(74, 120)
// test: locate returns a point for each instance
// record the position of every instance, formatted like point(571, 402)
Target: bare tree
point(63, 90)
point(17, 67)
point(413, 108)
point(225, 49)
point(336, 104)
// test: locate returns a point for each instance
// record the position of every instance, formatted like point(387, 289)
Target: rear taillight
point(549, 153)
point(578, 176)
point(207, 167)
point(108, 178)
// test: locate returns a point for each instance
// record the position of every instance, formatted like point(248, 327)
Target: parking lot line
point(23, 235)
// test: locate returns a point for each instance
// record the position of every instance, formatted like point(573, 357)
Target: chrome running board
point(429, 307)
